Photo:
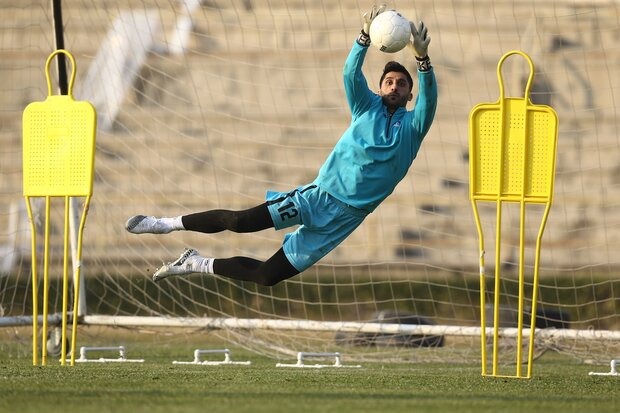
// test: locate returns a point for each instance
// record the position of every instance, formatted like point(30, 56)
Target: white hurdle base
point(121, 355)
point(303, 355)
point(227, 359)
point(612, 372)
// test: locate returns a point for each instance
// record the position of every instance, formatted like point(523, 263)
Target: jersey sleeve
point(359, 96)
point(425, 104)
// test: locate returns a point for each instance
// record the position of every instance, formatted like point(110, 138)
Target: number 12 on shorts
point(288, 211)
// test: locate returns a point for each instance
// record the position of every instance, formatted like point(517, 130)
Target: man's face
point(395, 90)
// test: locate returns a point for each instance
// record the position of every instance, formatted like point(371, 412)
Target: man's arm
point(359, 96)
point(426, 101)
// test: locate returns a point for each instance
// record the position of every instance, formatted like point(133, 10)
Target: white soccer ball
point(390, 31)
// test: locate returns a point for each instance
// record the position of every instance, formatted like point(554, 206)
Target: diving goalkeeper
point(370, 159)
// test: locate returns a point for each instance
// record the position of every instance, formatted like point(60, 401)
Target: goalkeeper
point(364, 167)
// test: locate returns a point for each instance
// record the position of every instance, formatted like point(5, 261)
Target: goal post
point(338, 326)
point(217, 102)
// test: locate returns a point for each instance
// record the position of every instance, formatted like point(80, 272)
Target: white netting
point(208, 104)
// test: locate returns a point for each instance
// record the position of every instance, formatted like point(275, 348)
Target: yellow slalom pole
point(499, 172)
point(35, 282)
point(497, 291)
point(483, 320)
point(77, 280)
point(65, 286)
point(46, 254)
point(521, 293)
point(47, 158)
point(535, 288)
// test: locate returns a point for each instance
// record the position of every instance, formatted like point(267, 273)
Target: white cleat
point(141, 224)
point(181, 266)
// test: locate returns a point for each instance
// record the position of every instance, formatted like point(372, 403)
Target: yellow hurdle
point(512, 152)
point(58, 161)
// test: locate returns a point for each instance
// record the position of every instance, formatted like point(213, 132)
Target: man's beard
point(394, 103)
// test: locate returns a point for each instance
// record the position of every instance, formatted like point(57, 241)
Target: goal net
point(208, 104)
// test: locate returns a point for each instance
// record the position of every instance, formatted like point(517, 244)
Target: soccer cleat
point(181, 266)
point(140, 224)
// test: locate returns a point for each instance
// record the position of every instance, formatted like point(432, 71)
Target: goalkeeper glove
point(364, 37)
point(419, 44)
point(421, 39)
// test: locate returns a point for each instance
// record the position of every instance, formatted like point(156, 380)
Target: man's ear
point(410, 97)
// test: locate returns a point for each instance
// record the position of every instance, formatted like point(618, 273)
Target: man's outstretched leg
point(270, 272)
point(217, 220)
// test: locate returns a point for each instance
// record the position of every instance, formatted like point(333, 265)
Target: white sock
point(202, 265)
point(175, 223)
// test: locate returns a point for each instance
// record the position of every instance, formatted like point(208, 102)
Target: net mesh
point(207, 104)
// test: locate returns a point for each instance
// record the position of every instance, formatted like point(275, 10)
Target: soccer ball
point(390, 31)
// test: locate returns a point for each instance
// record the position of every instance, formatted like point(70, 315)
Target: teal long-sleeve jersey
point(377, 149)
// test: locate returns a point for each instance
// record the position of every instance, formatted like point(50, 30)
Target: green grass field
point(559, 384)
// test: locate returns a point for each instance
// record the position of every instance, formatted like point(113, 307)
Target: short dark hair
point(393, 66)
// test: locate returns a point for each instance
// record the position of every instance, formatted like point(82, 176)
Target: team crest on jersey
point(397, 124)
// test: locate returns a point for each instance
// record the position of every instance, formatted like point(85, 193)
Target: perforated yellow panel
point(512, 150)
point(484, 151)
point(58, 153)
point(59, 146)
